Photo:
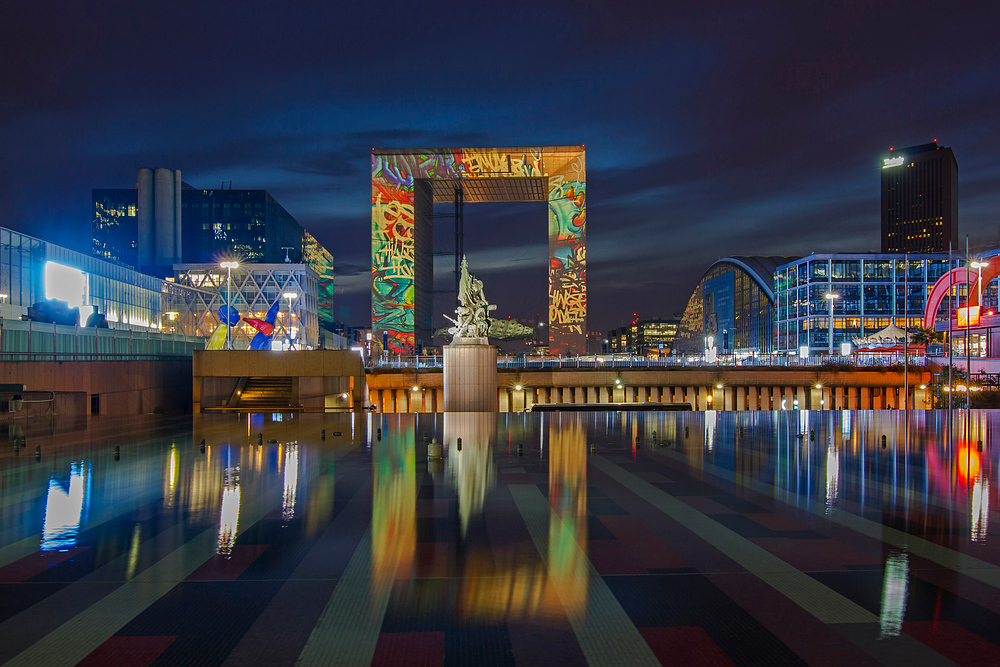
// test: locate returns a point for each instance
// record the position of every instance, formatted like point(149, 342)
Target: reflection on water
point(64, 507)
point(290, 482)
point(456, 544)
point(229, 512)
point(470, 469)
point(568, 564)
point(893, 608)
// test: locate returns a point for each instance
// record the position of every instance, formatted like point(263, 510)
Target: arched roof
point(760, 268)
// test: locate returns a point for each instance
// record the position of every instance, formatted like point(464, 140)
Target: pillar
point(579, 398)
point(690, 397)
point(752, 398)
point(654, 395)
point(503, 400)
point(603, 395)
point(865, 398)
point(816, 396)
point(641, 395)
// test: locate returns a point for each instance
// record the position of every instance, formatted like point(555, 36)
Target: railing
point(40, 341)
point(628, 361)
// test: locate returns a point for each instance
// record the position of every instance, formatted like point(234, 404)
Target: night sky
point(712, 128)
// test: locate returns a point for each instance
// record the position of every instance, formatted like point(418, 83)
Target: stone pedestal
point(470, 376)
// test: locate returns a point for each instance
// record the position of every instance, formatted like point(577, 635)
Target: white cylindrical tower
point(163, 210)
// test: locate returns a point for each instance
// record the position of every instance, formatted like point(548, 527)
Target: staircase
point(266, 394)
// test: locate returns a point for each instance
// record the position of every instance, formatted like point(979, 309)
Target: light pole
point(229, 266)
point(831, 297)
point(288, 323)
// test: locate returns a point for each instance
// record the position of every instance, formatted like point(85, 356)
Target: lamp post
point(288, 323)
point(229, 266)
point(831, 297)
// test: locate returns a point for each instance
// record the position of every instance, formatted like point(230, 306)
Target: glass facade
point(253, 289)
point(733, 306)
point(872, 292)
point(249, 225)
point(129, 299)
point(653, 337)
point(116, 226)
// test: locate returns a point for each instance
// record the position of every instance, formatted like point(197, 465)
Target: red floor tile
point(690, 646)
point(646, 548)
point(125, 651)
point(954, 642)
point(220, 568)
point(33, 565)
point(415, 649)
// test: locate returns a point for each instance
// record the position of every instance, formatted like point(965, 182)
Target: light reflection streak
point(133, 552)
point(229, 513)
point(64, 508)
point(832, 477)
point(893, 608)
point(291, 482)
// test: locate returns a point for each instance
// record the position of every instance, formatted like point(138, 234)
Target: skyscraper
point(919, 199)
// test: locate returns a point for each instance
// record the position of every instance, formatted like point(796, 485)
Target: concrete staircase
point(265, 394)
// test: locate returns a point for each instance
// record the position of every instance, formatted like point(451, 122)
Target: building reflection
point(229, 512)
point(394, 496)
point(66, 505)
point(290, 481)
point(894, 590)
point(568, 564)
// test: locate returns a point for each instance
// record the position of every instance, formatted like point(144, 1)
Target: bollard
point(322, 434)
point(202, 447)
point(38, 452)
point(272, 441)
point(433, 449)
point(378, 434)
point(593, 448)
point(979, 445)
point(741, 430)
point(520, 449)
point(458, 444)
point(685, 431)
point(118, 452)
point(260, 439)
point(17, 449)
point(883, 442)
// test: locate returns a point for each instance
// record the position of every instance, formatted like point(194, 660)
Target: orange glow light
point(968, 463)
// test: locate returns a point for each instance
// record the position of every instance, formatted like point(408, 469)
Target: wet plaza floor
point(768, 538)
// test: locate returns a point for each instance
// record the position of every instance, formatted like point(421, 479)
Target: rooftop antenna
point(287, 249)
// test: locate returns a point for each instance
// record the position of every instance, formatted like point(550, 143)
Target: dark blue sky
point(713, 128)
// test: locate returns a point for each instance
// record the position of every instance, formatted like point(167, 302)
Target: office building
point(115, 224)
point(868, 292)
point(165, 222)
point(731, 309)
point(644, 337)
point(919, 199)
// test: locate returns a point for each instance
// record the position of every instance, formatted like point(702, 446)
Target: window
point(848, 270)
point(878, 271)
point(819, 270)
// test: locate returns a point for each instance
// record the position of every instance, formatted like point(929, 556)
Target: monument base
point(470, 376)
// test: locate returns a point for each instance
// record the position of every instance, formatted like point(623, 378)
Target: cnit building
point(919, 199)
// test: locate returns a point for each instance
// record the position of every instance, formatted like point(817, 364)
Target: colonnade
point(718, 397)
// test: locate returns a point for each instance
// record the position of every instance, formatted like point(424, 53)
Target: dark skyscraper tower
point(919, 199)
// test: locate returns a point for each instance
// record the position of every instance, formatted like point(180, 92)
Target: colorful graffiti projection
point(395, 174)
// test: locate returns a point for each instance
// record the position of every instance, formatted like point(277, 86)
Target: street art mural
point(395, 178)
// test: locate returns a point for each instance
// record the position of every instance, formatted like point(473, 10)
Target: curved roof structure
point(761, 268)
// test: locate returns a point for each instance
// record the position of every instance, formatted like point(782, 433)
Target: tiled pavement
point(737, 538)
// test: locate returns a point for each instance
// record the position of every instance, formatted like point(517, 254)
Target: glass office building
point(869, 292)
point(33, 270)
point(731, 308)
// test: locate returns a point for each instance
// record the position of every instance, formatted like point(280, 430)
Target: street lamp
point(831, 297)
point(288, 323)
point(229, 266)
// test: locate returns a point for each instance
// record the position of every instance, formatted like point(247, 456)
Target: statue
point(473, 319)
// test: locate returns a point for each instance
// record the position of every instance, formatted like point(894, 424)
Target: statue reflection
point(484, 584)
point(470, 470)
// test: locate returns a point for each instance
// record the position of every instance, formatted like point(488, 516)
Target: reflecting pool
point(480, 539)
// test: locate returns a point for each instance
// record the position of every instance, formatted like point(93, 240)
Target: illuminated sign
point(893, 161)
point(968, 317)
